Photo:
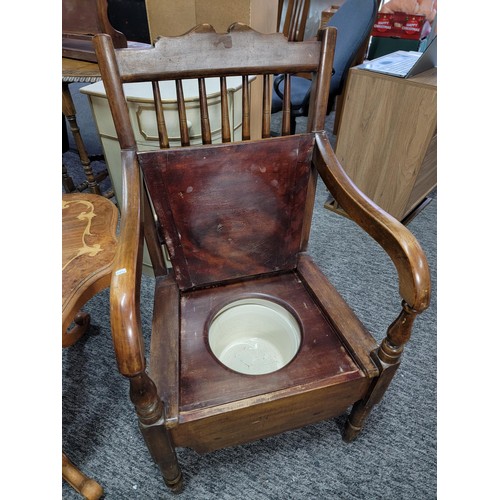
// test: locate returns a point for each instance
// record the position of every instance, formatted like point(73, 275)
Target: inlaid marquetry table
point(89, 223)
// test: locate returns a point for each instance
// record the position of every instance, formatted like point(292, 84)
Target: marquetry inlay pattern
point(86, 216)
point(88, 247)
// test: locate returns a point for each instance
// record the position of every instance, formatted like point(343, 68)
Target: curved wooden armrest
point(125, 280)
point(399, 243)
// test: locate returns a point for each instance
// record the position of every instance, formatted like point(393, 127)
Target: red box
point(399, 25)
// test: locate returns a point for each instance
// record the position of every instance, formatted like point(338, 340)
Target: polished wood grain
point(399, 243)
point(166, 346)
point(234, 219)
point(89, 223)
point(221, 55)
point(88, 248)
point(409, 260)
point(206, 383)
point(355, 337)
point(260, 417)
point(230, 216)
point(295, 21)
point(81, 19)
point(171, 18)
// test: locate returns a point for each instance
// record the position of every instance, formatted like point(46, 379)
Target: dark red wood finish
point(228, 216)
point(235, 219)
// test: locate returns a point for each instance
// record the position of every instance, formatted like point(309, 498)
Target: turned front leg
point(387, 357)
point(150, 411)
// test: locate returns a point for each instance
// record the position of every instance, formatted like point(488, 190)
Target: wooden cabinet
point(387, 138)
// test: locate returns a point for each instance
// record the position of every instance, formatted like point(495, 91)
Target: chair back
point(295, 21)
point(231, 211)
point(203, 53)
point(198, 55)
point(354, 21)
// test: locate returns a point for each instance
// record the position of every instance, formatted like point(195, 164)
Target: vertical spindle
point(181, 105)
point(160, 117)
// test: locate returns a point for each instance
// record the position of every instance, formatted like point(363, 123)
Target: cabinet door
point(385, 132)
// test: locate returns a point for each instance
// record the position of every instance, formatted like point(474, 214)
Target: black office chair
point(354, 21)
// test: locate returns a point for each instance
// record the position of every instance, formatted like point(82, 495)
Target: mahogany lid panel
point(230, 215)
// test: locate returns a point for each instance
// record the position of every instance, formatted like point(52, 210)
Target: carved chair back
point(203, 53)
point(200, 54)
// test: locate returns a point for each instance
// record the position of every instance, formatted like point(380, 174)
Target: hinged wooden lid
point(233, 210)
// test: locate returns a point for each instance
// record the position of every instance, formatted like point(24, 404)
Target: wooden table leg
point(87, 487)
point(67, 181)
point(70, 114)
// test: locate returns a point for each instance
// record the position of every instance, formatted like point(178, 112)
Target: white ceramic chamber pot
point(254, 336)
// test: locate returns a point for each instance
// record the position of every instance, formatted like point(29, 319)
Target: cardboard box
point(399, 25)
point(173, 18)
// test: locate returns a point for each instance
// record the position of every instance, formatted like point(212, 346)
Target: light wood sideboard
point(387, 139)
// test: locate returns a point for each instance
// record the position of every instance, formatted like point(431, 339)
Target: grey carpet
point(393, 458)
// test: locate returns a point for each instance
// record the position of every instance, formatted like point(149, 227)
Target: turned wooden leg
point(82, 322)
point(87, 487)
point(150, 411)
point(387, 357)
point(70, 114)
point(67, 181)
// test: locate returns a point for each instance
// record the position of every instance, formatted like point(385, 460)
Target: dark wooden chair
point(89, 242)
point(82, 18)
point(295, 20)
point(234, 219)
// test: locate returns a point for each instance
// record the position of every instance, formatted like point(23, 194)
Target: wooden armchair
point(249, 339)
point(295, 20)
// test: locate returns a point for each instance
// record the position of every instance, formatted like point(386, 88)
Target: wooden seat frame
point(234, 219)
